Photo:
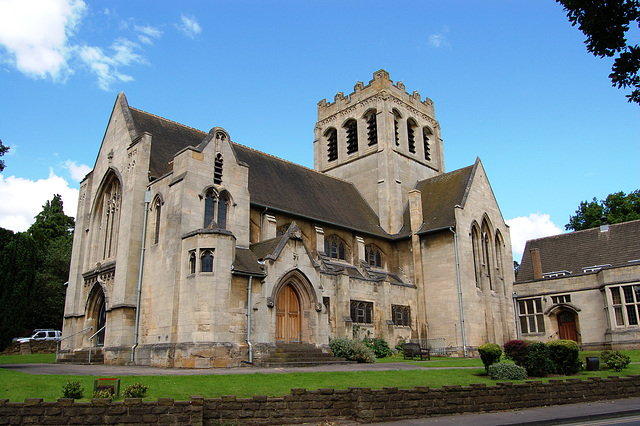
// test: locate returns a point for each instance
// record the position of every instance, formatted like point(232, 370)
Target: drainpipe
point(515, 311)
point(249, 321)
point(455, 245)
point(147, 200)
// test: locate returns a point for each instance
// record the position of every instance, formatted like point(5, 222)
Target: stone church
point(194, 251)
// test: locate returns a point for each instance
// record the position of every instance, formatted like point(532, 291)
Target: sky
point(512, 83)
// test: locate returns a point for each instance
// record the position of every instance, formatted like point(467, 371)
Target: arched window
point(192, 262)
point(334, 247)
point(373, 255)
point(426, 132)
point(223, 208)
point(157, 207)
point(498, 249)
point(217, 170)
point(361, 312)
point(411, 135)
point(332, 144)
point(210, 201)
point(475, 244)
point(206, 261)
point(372, 127)
point(396, 121)
point(352, 136)
point(107, 218)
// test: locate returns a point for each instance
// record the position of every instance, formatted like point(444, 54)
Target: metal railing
point(68, 337)
point(91, 341)
point(437, 345)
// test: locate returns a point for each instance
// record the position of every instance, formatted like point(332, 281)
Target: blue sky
point(512, 83)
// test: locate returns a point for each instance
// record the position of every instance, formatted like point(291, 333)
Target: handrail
point(91, 342)
point(69, 336)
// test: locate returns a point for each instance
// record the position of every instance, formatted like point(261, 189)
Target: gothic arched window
point(332, 144)
point(206, 261)
point(210, 201)
point(192, 262)
point(475, 245)
point(396, 125)
point(107, 218)
point(223, 208)
point(334, 247)
point(352, 136)
point(157, 207)
point(373, 255)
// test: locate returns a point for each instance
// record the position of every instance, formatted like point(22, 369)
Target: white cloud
point(22, 199)
point(146, 33)
point(440, 39)
point(189, 26)
point(106, 66)
point(77, 172)
point(537, 225)
point(35, 34)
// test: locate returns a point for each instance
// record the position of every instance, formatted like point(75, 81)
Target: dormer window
point(595, 268)
point(334, 247)
point(373, 256)
point(556, 274)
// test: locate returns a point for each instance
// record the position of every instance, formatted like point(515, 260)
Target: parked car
point(41, 334)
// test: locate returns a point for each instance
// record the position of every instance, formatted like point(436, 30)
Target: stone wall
point(302, 406)
point(40, 347)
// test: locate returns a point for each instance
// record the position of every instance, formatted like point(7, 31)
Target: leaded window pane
point(631, 315)
point(619, 316)
point(615, 295)
point(524, 325)
point(628, 294)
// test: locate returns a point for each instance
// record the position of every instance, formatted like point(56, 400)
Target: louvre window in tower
point(411, 137)
point(372, 129)
point(332, 144)
point(352, 136)
point(426, 132)
point(217, 170)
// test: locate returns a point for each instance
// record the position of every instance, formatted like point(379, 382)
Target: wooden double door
point(288, 316)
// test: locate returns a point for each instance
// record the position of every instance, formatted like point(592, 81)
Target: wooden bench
point(411, 350)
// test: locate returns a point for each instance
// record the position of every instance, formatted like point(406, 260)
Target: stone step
point(299, 355)
point(289, 364)
point(82, 357)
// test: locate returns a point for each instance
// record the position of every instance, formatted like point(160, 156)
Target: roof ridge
point(582, 231)
point(292, 163)
point(167, 120)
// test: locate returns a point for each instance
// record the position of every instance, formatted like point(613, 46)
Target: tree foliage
point(3, 151)
point(605, 23)
point(617, 208)
point(34, 267)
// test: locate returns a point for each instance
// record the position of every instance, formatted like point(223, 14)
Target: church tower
point(382, 139)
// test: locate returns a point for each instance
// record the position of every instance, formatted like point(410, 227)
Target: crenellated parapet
point(380, 85)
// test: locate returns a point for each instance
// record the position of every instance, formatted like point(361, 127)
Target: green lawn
point(28, 359)
point(17, 386)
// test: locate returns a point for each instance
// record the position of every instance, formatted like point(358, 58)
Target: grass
point(28, 359)
point(17, 386)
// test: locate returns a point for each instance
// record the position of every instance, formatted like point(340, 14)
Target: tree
point(617, 207)
point(3, 151)
point(605, 23)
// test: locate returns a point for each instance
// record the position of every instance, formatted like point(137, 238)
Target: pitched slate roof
point(289, 187)
point(167, 139)
point(581, 249)
point(440, 195)
point(246, 262)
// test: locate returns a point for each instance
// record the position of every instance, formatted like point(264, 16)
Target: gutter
point(147, 200)
point(455, 245)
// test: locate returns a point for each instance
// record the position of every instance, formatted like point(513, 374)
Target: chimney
point(536, 264)
point(604, 224)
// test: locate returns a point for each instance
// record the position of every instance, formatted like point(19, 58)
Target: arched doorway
point(288, 316)
point(97, 314)
point(567, 326)
point(101, 320)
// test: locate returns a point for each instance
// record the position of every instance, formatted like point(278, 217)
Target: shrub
point(537, 361)
point(516, 350)
point(136, 390)
point(615, 360)
point(505, 371)
point(104, 393)
point(379, 346)
point(489, 354)
point(362, 353)
point(342, 348)
point(564, 355)
point(72, 390)
point(399, 345)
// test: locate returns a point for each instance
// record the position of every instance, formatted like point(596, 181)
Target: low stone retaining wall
point(302, 406)
point(39, 347)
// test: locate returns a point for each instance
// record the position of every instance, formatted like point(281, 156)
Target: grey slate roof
point(574, 251)
point(440, 195)
point(246, 262)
